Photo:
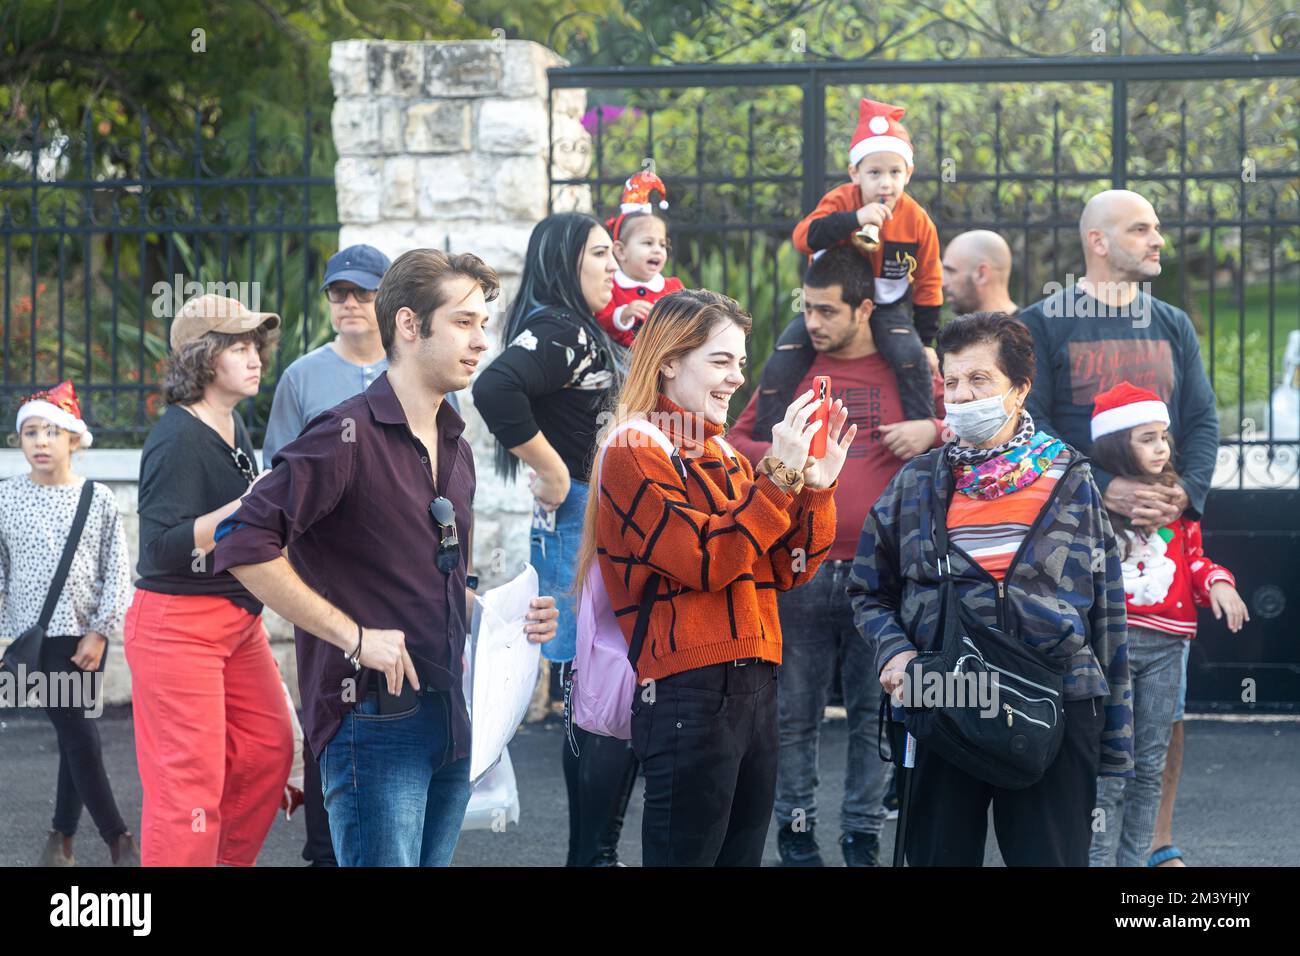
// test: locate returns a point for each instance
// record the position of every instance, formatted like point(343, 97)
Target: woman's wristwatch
point(789, 480)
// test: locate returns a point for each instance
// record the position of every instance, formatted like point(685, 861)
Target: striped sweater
point(723, 542)
point(992, 530)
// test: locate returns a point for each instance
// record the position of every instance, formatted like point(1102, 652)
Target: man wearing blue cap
point(340, 369)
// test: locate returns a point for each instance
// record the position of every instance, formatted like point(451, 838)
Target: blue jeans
point(1182, 690)
point(816, 629)
point(393, 795)
point(1129, 807)
point(555, 540)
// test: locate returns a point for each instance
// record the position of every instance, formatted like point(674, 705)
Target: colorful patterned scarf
point(993, 472)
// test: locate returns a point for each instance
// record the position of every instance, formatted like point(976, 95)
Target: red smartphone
point(822, 393)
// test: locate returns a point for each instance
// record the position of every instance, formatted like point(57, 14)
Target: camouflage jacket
point(1064, 591)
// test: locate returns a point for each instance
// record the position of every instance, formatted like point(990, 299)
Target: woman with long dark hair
point(542, 398)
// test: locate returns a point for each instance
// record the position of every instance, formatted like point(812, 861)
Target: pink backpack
point(604, 666)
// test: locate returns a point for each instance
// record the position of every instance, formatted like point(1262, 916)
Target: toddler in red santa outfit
point(641, 249)
point(1166, 577)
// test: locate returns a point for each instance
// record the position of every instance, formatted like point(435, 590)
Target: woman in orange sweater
point(712, 538)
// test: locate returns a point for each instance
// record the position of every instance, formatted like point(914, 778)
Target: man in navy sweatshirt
point(1106, 328)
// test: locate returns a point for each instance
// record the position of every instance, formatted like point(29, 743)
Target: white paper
point(503, 668)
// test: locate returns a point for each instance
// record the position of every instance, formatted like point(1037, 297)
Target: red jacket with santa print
point(1174, 613)
point(626, 291)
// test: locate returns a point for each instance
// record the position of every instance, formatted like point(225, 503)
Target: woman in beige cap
point(213, 740)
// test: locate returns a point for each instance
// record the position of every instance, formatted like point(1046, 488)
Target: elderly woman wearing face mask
point(1032, 553)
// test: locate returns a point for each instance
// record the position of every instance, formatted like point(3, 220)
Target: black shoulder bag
point(26, 647)
point(1013, 747)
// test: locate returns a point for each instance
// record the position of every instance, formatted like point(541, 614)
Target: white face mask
point(978, 421)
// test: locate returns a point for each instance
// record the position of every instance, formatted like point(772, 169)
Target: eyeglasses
point(244, 464)
point(339, 294)
point(444, 514)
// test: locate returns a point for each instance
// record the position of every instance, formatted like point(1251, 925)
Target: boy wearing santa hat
point(874, 213)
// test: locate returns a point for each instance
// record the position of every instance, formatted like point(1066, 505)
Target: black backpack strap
point(949, 633)
point(643, 619)
point(939, 515)
point(69, 551)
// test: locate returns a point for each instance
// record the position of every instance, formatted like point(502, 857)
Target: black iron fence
point(1011, 146)
point(101, 239)
point(1015, 146)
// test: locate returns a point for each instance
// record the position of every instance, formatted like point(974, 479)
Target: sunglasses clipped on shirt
point(338, 294)
point(443, 513)
point(244, 464)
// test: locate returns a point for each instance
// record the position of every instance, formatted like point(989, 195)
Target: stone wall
point(445, 145)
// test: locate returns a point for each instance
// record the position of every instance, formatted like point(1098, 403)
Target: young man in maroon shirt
point(375, 504)
point(816, 619)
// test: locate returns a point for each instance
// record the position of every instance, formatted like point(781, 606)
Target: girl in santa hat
point(36, 517)
point(641, 249)
point(1166, 577)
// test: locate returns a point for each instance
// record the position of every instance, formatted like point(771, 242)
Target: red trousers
point(212, 734)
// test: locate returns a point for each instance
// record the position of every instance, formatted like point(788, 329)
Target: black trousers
point(896, 339)
point(707, 740)
point(83, 782)
point(1048, 824)
point(599, 780)
point(318, 850)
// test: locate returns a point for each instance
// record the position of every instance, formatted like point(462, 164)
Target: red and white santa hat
point(58, 406)
point(1126, 406)
point(636, 198)
point(880, 130)
point(637, 190)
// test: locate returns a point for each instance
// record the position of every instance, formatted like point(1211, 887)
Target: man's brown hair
point(415, 282)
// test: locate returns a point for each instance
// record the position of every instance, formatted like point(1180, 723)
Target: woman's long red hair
point(677, 324)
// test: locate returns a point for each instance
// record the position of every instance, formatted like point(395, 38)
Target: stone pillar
point(445, 145)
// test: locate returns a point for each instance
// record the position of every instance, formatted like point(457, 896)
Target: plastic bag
point(494, 803)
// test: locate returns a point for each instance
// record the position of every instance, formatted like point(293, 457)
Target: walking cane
point(904, 799)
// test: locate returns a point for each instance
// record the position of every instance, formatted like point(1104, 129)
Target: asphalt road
point(1237, 804)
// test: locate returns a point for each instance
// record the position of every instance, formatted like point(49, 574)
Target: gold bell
point(867, 239)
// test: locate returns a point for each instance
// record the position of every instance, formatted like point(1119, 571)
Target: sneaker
point(58, 850)
point(798, 847)
point(890, 802)
point(860, 849)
